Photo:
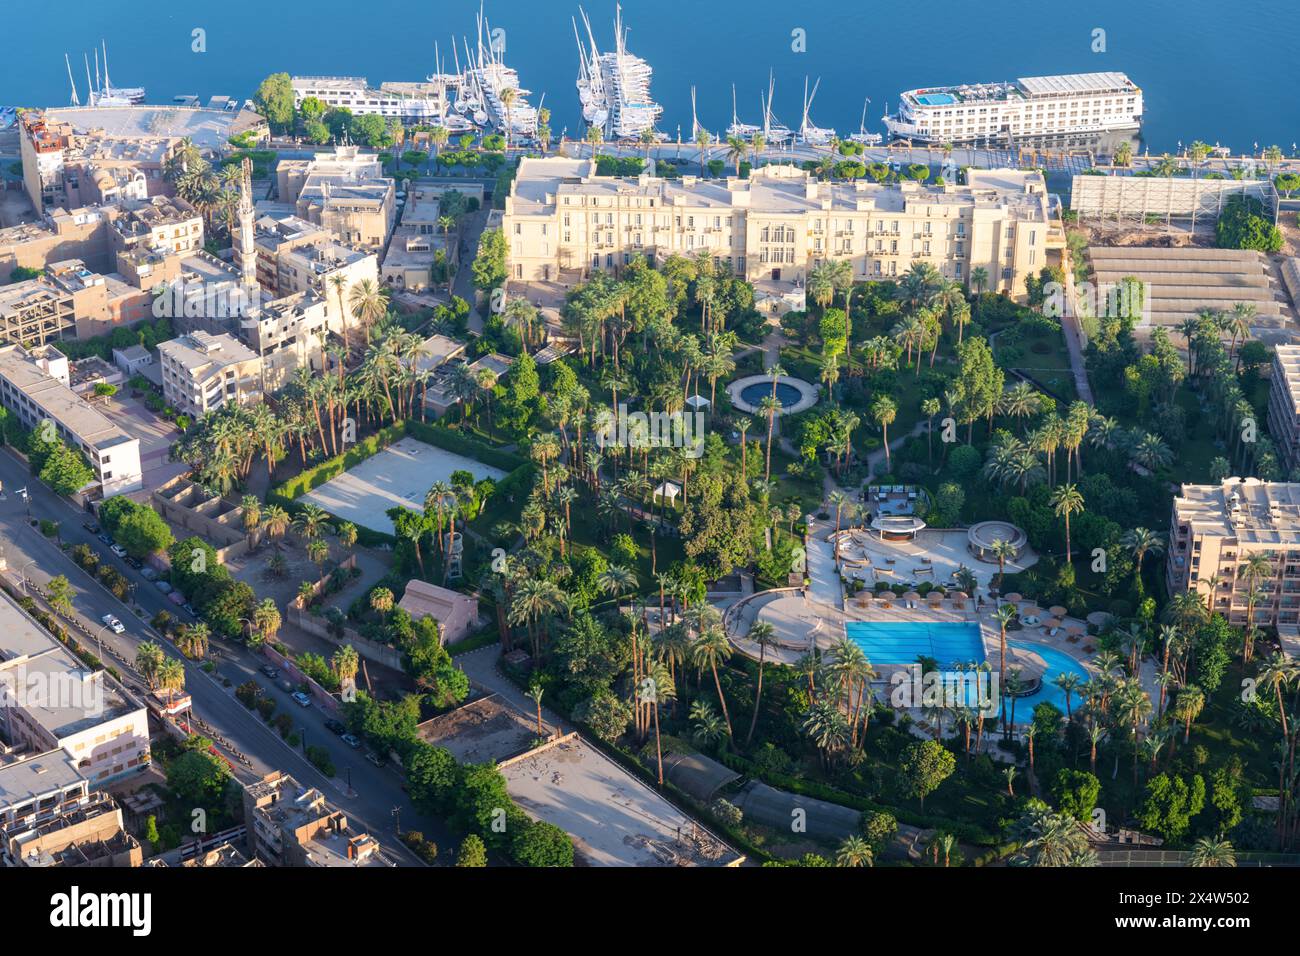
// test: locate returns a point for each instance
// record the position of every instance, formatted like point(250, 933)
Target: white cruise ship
point(1032, 107)
point(614, 87)
point(426, 102)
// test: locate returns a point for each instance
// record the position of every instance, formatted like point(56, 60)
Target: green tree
point(472, 852)
point(925, 765)
point(274, 100)
point(489, 266)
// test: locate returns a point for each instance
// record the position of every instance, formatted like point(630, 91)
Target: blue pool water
point(949, 643)
point(1058, 662)
point(900, 642)
point(936, 99)
point(787, 395)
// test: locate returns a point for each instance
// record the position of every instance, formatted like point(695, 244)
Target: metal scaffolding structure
point(1120, 199)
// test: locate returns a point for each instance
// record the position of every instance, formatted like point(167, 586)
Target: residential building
point(133, 359)
point(36, 311)
point(779, 223)
point(345, 191)
point(1217, 530)
point(34, 385)
point(202, 372)
point(456, 613)
point(51, 701)
point(1284, 404)
point(292, 825)
point(161, 224)
point(50, 820)
point(80, 234)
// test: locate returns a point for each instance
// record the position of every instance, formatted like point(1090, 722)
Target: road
point(376, 792)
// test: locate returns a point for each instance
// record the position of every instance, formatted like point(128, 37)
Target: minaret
point(245, 242)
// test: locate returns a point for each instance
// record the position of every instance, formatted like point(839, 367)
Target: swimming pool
point(936, 99)
point(1058, 662)
point(901, 642)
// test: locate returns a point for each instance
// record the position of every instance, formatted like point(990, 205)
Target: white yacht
point(862, 136)
point(1032, 107)
point(775, 133)
point(490, 78)
point(738, 129)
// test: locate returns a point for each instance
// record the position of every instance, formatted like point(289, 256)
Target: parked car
point(270, 671)
point(104, 538)
point(375, 758)
point(91, 527)
point(336, 727)
point(135, 563)
point(164, 586)
point(118, 550)
point(149, 574)
point(114, 624)
point(352, 740)
point(301, 699)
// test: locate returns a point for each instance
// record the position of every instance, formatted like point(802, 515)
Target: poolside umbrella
point(1058, 611)
point(1098, 618)
point(935, 598)
point(1014, 598)
point(911, 596)
point(1075, 629)
point(1031, 610)
point(1050, 622)
point(960, 595)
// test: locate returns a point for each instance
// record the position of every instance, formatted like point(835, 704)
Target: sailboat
point(109, 95)
point(738, 129)
point(862, 136)
point(492, 78)
point(810, 135)
point(774, 131)
point(614, 87)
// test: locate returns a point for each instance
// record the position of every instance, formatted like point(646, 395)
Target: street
point(376, 802)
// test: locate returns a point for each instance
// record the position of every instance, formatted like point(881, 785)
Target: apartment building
point(162, 224)
point(329, 271)
point(779, 223)
point(202, 372)
point(345, 192)
point(36, 311)
point(61, 234)
point(50, 701)
point(292, 825)
point(34, 385)
point(88, 831)
point(1284, 404)
point(1216, 529)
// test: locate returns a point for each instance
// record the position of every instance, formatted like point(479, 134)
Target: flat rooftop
point(613, 818)
point(35, 776)
point(209, 129)
point(58, 401)
point(1251, 511)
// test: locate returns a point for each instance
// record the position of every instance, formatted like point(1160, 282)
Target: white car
point(302, 699)
point(117, 626)
point(118, 550)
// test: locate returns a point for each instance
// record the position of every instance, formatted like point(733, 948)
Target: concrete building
point(456, 613)
point(1284, 404)
point(1217, 529)
point(345, 191)
point(201, 372)
point(80, 234)
point(93, 155)
point(36, 311)
point(35, 386)
point(88, 832)
point(133, 359)
point(161, 224)
point(779, 223)
point(292, 825)
point(50, 701)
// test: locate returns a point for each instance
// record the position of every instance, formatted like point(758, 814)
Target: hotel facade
point(1215, 529)
point(779, 223)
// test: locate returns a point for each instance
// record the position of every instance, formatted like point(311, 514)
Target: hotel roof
point(1251, 511)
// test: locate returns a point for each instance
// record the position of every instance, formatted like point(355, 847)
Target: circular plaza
point(794, 394)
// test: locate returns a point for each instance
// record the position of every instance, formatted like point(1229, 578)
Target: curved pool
point(787, 395)
point(1058, 662)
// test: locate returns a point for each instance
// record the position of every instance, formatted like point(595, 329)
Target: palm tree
point(193, 641)
point(171, 677)
point(534, 693)
point(266, 619)
point(736, 150)
point(929, 408)
point(854, 851)
point(148, 658)
point(979, 278)
point(345, 663)
point(769, 406)
point(1065, 501)
point(1279, 671)
point(763, 634)
point(276, 521)
point(708, 648)
point(663, 689)
point(884, 410)
point(1141, 541)
point(311, 521)
point(1003, 550)
point(1003, 614)
point(1209, 851)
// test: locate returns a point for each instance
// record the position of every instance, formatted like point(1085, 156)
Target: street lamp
point(99, 641)
point(23, 572)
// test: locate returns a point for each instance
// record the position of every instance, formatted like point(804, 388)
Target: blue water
point(787, 395)
point(936, 99)
point(1058, 662)
point(901, 642)
point(1203, 73)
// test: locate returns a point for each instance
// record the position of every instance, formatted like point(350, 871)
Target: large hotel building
point(777, 224)
point(1216, 528)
